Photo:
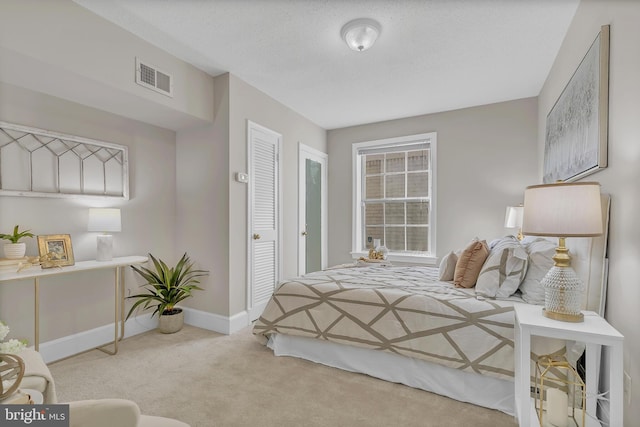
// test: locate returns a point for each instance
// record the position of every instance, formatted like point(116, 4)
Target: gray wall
point(78, 302)
point(70, 86)
point(62, 49)
point(202, 158)
point(248, 103)
point(622, 176)
point(212, 208)
point(485, 158)
point(63, 69)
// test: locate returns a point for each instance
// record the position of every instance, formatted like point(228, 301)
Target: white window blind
point(394, 193)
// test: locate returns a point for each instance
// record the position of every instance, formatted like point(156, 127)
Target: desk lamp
point(513, 219)
point(104, 220)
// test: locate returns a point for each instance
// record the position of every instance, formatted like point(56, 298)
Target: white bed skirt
point(493, 393)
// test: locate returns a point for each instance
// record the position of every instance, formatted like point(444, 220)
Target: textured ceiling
point(431, 56)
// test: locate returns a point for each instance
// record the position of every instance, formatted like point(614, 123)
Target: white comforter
point(402, 310)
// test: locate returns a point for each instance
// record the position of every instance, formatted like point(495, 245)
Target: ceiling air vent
point(151, 77)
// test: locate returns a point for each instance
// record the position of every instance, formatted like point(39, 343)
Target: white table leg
point(591, 360)
point(616, 387)
point(516, 368)
point(524, 377)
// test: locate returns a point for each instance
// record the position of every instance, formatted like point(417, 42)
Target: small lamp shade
point(104, 220)
point(513, 217)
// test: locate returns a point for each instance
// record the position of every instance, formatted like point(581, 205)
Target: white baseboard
point(87, 340)
point(238, 322)
point(103, 336)
point(215, 322)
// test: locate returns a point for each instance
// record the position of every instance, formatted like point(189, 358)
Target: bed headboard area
point(589, 260)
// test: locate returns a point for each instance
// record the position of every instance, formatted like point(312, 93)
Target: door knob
point(304, 233)
point(256, 236)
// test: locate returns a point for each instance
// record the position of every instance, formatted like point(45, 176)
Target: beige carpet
point(207, 379)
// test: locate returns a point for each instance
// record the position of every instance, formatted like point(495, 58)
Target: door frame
point(252, 309)
point(306, 152)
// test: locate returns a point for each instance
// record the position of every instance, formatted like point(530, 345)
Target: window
point(394, 196)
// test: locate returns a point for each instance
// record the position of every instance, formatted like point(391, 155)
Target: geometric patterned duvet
point(403, 310)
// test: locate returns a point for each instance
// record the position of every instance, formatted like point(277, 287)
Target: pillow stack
point(501, 269)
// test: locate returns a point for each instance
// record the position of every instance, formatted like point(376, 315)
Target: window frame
point(357, 249)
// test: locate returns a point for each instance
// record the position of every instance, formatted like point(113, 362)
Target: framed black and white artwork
point(577, 125)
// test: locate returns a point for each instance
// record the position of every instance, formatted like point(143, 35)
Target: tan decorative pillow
point(470, 263)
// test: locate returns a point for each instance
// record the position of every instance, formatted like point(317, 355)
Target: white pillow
point(541, 253)
point(504, 269)
point(447, 267)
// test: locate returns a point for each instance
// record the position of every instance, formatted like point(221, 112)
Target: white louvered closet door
point(264, 217)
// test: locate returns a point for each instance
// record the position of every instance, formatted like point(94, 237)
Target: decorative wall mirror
point(41, 163)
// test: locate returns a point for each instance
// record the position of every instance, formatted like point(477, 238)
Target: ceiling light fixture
point(360, 34)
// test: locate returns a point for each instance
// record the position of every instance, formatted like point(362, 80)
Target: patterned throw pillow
point(470, 263)
point(541, 253)
point(504, 269)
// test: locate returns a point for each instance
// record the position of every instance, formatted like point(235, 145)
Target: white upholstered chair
point(114, 412)
point(37, 375)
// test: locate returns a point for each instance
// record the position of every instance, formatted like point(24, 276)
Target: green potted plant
point(165, 287)
point(15, 249)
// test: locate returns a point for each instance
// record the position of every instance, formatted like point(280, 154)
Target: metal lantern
point(560, 393)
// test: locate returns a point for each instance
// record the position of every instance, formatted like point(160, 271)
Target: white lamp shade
point(563, 210)
point(360, 34)
point(104, 220)
point(513, 217)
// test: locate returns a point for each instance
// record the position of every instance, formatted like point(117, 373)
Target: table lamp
point(563, 210)
point(513, 219)
point(104, 220)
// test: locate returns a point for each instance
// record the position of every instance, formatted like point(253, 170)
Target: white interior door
point(312, 217)
point(264, 216)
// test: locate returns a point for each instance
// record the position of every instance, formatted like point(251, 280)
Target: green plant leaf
point(165, 286)
point(16, 236)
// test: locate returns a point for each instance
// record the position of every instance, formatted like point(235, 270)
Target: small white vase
point(15, 250)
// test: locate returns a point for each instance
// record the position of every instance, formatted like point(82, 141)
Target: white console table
point(594, 332)
point(117, 264)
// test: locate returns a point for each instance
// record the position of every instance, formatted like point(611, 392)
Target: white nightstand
point(594, 332)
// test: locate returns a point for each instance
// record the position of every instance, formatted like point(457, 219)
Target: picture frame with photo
point(56, 250)
point(576, 134)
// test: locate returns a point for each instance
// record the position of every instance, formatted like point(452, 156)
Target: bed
point(403, 324)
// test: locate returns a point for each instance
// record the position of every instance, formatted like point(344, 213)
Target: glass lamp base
point(563, 295)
